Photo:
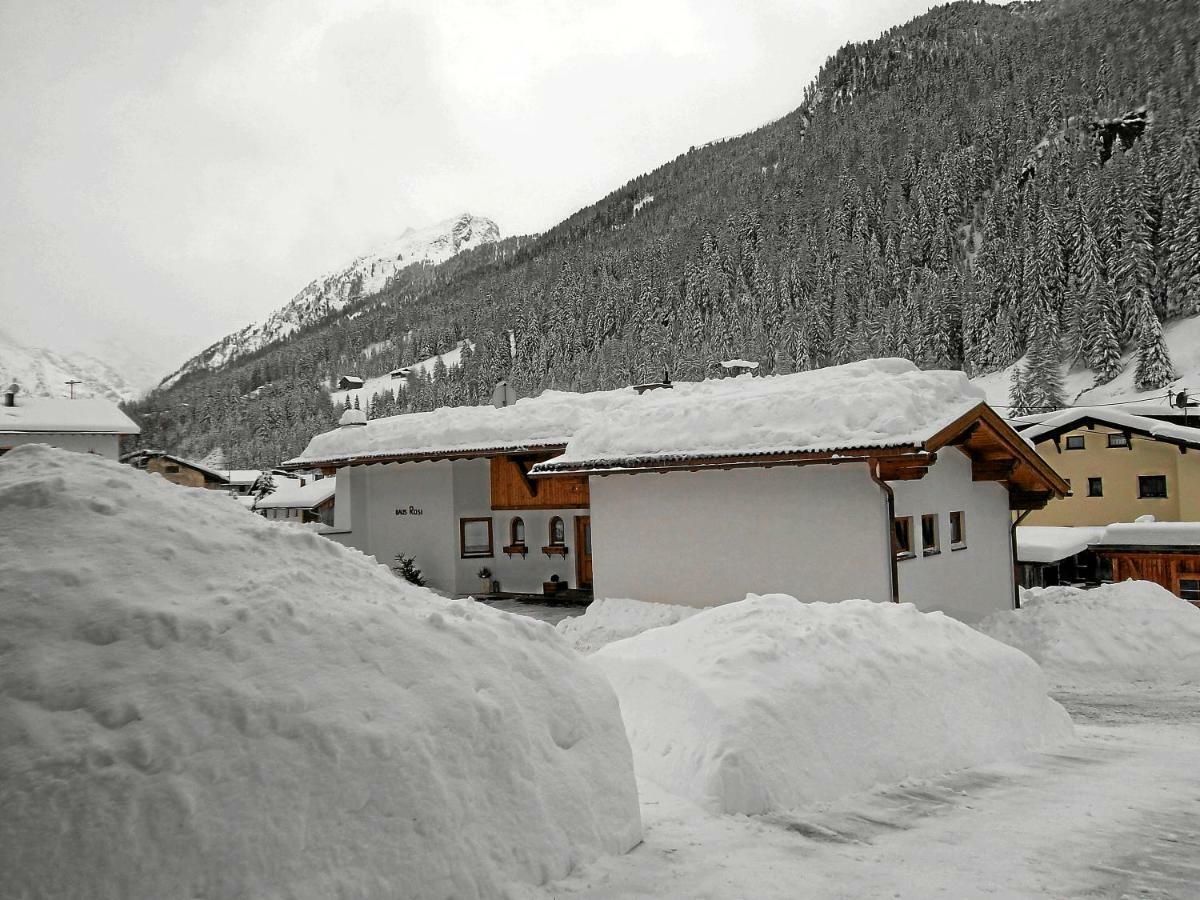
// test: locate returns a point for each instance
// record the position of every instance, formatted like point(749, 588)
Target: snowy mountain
point(42, 372)
point(330, 293)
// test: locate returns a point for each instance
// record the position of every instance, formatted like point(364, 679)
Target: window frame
point(1142, 495)
point(960, 516)
point(902, 552)
point(1194, 579)
point(513, 524)
point(936, 547)
point(463, 521)
point(1125, 442)
point(553, 541)
point(1082, 445)
point(1095, 486)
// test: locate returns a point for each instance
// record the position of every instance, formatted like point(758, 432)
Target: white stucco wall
point(703, 538)
point(106, 445)
point(516, 573)
point(368, 498)
point(972, 582)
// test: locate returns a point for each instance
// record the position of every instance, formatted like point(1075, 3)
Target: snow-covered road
point(1114, 814)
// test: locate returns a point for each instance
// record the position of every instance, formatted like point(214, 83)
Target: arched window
point(516, 531)
point(558, 532)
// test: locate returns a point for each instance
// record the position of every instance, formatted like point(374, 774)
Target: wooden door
point(583, 551)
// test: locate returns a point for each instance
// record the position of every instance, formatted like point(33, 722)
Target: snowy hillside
point(451, 359)
point(42, 372)
point(1079, 388)
point(366, 275)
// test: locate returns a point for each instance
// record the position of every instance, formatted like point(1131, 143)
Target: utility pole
point(71, 384)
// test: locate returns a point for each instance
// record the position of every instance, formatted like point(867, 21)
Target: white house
point(871, 480)
point(301, 500)
point(88, 426)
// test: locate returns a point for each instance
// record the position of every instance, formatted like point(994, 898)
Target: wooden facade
point(513, 488)
point(1176, 569)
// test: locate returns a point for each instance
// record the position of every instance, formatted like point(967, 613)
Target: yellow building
point(1120, 466)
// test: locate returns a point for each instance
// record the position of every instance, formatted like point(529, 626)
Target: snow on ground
point(608, 620)
point(1124, 633)
point(1113, 814)
point(1183, 343)
point(197, 703)
point(451, 359)
point(769, 703)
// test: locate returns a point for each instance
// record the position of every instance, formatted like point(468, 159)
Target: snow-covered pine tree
point(1154, 369)
point(1018, 396)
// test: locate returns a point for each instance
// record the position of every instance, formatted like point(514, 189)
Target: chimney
point(10, 394)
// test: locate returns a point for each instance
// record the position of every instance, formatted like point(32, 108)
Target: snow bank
point(196, 703)
point(873, 403)
point(770, 703)
point(608, 620)
point(1133, 631)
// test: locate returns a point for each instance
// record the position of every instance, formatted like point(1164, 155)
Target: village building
point(300, 500)
point(1167, 553)
point(871, 480)
point(177, 470)
point(94, 426)
point(1120, 466)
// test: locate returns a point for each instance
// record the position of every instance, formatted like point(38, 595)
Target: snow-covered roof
point(241, 476)
point(1151, 534)
point(289, 494)
point(878, 403)
point(1050, 543)
point(739, 364)
point(869, 404)
point(1114, 418)
point(40, 414)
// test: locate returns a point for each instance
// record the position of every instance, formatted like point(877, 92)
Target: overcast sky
point(173, 170)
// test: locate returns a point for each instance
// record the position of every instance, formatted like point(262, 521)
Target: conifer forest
point(982, 185)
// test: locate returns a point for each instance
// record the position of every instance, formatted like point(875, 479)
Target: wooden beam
point(903, 470)
point(1028, 499)
point(530, 484)
point(992, 469)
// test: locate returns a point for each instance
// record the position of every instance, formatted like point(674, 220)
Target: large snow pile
point(873, 403)
point(769, 703)
point(608, 620)
point(1132, 631)
point(195, 703)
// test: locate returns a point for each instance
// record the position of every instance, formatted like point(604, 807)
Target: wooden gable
point(512, 488)
point(998, 453)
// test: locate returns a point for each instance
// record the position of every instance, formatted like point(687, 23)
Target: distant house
point(177, 470)
point(349, 383)
point(402, 372)
point(1120, 466)
point(88, 426)
point(240, 481)
point(300, 500)
point(1167, 553)
point(870, 480)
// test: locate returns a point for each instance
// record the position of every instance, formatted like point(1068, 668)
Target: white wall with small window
point(959, 557)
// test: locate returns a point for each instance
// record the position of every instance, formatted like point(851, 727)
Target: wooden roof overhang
point(329, 465)
point(997, 453)
point(1090, 422)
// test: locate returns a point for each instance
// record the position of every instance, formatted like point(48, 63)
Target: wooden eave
point(1090, 423)
point(998, 453)
point(907, 457)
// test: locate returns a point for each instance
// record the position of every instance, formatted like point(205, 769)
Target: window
point(558, 532)
point(1095, 487)
point(1152, 487)
point(475, 537)
point(1118, 440)
point(1075, 442)
point(958, 530)
point(516, 531)
point(929, 534)
point(1189, 589)
point(902, 537)
point(171, 468)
